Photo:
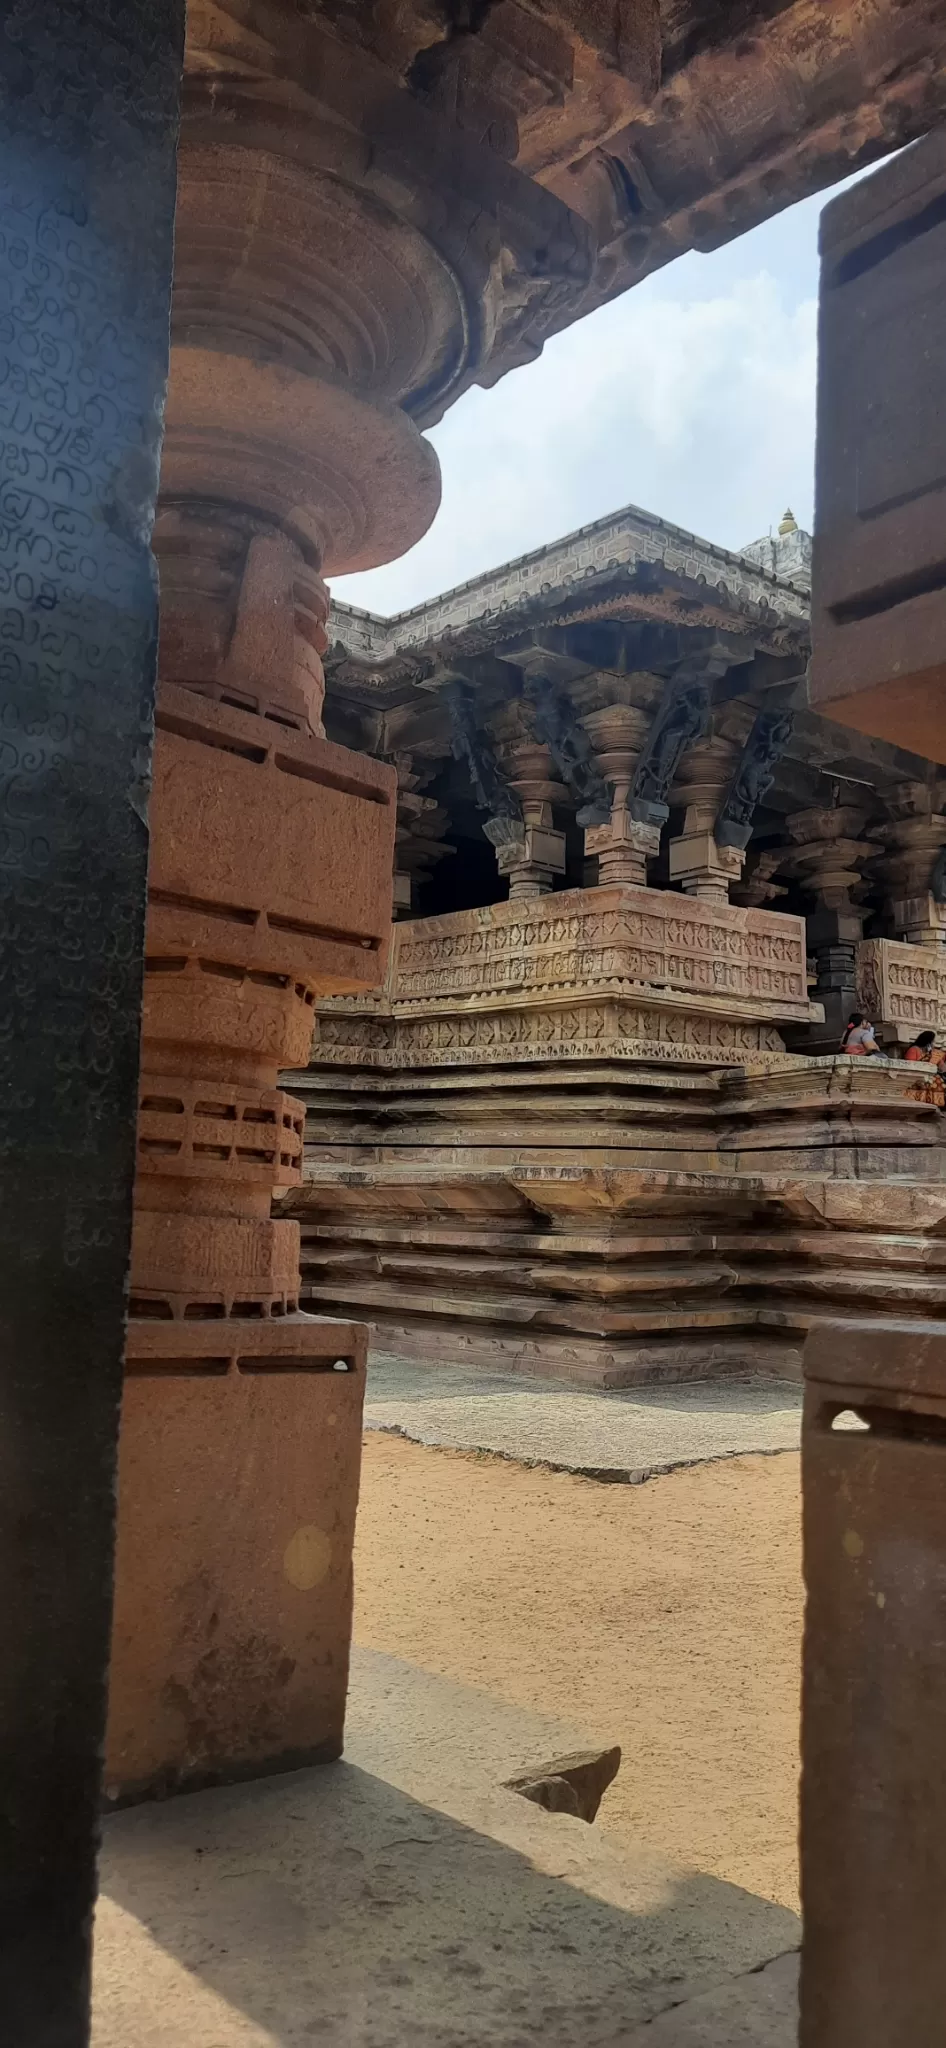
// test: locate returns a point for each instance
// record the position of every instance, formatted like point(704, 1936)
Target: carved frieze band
point(587, 938)
point(570, 1032)
point(902, 985)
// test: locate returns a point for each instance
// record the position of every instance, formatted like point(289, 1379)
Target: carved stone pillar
point(336, 245)
point(624, 845)
point(766, 740)
point(269, 884)
point(641, 787)
point(911, 871)
point(503, 823)
point(828, 858)
point(532, 861)
point(702, 868)
point(418, 845)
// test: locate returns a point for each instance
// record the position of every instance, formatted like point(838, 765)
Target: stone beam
point(664, 124)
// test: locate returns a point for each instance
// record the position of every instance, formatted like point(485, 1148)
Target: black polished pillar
point(89, 95)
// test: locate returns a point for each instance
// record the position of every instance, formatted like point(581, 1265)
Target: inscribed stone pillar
point(89, 102)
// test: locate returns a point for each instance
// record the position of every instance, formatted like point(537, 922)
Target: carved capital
point(623, 846)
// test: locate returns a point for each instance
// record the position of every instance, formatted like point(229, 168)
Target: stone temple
point(583, 1111)
point(593, 1124)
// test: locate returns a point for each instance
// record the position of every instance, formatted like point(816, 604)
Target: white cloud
point(698, 407)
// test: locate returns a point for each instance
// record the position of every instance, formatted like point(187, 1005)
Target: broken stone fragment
point(570, 1784)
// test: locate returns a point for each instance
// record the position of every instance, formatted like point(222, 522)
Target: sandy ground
point(665, 1617)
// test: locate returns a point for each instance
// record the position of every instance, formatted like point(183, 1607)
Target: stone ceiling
point(662, 125)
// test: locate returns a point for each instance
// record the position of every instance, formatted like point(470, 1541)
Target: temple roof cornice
point(622, 540)
point(629, 565)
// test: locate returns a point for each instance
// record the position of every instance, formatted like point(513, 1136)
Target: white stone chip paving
point(624, 1436)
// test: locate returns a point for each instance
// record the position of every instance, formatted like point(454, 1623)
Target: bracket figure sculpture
point(754, 776)
point(557, 723)
point(683, 716)
point(504, 824)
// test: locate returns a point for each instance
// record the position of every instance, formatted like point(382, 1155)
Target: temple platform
point(652, 1209)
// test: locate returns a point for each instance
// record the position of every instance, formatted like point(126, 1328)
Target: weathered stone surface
point(617, 1437)
point(222, 1663)
point(89, 98)
point(406, 1894)
point(236, 1514)
point(573, 1784)
point(664, 128)
point(640, 973)
point(878, 587)
point(391, 210)
point(873, 1788)
point(759, 2010)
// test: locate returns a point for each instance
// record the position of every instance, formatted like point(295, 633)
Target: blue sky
point(692, 396)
